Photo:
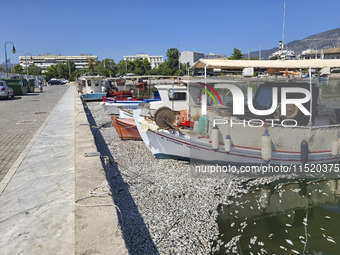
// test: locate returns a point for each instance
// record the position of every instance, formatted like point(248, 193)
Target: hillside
point(324, 40)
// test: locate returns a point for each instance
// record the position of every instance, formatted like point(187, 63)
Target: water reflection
point(301, 217)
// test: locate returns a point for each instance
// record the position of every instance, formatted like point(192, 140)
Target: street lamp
point(13, 50)
point(27, 63)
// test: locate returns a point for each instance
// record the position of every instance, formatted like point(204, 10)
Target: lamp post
point(13, 50)
point(27, 63)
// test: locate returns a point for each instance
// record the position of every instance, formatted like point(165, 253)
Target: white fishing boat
point(222, 135)
point(90, 88)
point(112, 107)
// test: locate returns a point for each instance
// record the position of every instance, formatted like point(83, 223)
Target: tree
point(18, 69)
point(121, 67)
point(91, 65)
point(179, 73)
point(34, 70)
point(62, 70)
point(51, 72)
point(138, 70)
point(172, 59)
point(164, 69)
point(237, 54)
point(71, 69)
point(146, 65)
point(111, 69)
point(106, 67)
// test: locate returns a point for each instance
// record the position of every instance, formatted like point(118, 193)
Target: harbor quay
point(75, 187)
point(46, 179)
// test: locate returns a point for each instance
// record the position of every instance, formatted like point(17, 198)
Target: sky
point(112, 29)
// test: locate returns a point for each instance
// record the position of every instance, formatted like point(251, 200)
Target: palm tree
point(91, 64)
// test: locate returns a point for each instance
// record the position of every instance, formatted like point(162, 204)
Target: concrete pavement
point(20, 119)
point(39, 213)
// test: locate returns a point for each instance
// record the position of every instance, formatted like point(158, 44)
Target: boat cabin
point(263, 100)
point(91, 84)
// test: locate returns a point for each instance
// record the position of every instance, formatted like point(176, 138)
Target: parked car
point(64, 81)
point(55, 82)
point(5, 90)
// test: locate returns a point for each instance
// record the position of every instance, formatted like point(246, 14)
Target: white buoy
point(335, 147)
point(266, 148)
point(337, 192)
point(332, 185)
point(214, 138)
point(227, 144)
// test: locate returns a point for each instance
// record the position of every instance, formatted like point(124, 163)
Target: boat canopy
point(288, 64)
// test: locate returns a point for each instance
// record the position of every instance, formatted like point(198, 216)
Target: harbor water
point(284, 216)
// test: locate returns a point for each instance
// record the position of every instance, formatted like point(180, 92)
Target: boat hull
point(92, 96)
point(173, 144)
point(113, 107)
point(126, 128)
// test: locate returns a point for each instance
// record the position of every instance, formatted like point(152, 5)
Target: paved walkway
point(21, 118)
point(38, 214)
point(37, 205)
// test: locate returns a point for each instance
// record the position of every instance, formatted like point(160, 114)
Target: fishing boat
point(90, 88)
point(112, 107)
point(125, 113)
point(221, 134)
point(119, 96)
point(126, 128)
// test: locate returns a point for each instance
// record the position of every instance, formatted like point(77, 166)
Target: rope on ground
point(94, 193)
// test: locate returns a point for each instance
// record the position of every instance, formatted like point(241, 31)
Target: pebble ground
point(163, 209)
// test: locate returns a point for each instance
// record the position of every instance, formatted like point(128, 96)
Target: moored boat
point(221, 136)
point(112, 107)
point(126, 128)
point(90, 88)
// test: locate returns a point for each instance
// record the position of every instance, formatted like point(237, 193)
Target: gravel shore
point(162, 208)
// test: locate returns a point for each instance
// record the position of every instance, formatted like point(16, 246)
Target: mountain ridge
point(323, 40)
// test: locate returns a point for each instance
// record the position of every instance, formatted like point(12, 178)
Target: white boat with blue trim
point(221, 136)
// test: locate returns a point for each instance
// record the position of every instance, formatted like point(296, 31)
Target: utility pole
point(260, 52)
point(283, 28)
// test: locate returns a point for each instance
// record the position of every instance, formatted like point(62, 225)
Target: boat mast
point(283, 28)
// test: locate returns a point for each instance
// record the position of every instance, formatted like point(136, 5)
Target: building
point(214, 55)
point(332, 53)
point(310, 54)
point(155, 61)
point(45, 61)
point(190, 57)
point(284, 54)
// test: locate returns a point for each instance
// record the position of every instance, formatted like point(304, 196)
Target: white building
point(45, 61)
point(190, 57)
point(214, 55)
point(284, 54)
point(155, 61)
point(331, 53)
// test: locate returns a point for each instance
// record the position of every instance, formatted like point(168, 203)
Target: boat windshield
point(264, 97)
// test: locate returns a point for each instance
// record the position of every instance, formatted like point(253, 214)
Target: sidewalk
point(38, 214)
